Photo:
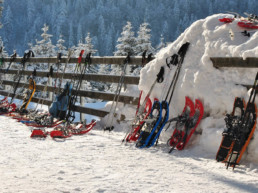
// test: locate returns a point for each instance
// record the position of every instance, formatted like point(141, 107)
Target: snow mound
point(216, 88)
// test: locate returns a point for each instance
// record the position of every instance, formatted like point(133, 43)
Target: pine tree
point(44, 47)
point(89, 46)
point(4, 53)
point(143, 40)
point(127, 41)
point(161, 44)
point(77, 49)
point(60, 45)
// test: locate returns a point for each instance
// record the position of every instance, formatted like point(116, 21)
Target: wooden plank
point(91, 94)
point(80, 109)
point(88, 77)
point(236, 62)
point(119, 60)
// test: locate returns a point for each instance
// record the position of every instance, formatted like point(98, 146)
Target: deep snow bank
point(217, 88)
point(198, 78)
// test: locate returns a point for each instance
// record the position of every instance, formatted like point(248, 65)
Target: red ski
point(226, 20)
point(247, 24)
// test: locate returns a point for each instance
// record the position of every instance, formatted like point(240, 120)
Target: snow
point(98, 162)
point(216, 88)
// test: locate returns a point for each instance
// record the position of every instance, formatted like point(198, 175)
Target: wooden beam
point(91, 94)
point(80, 109)
point(119, 60)
point(88, 77)
point(219, 62)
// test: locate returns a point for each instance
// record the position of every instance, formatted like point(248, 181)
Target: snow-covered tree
point(4, 53)
point(143, 40)
point(77, 49)
point(127, 41)
point(161, 43)
point(89, 46)
point(44, 47)
point(60, 45)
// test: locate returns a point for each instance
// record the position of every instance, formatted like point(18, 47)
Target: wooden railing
point(236, 62)
point(217, 63)
point(88, 77)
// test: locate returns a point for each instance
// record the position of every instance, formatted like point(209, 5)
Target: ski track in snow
point(98, 162)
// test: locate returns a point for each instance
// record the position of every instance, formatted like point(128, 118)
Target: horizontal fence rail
point(235, 62)
point(90, 94)
point(80, 109)
point(89, 77)
point(136, 60)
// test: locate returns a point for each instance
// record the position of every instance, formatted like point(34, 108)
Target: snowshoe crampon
point(83, 129)
point(60, 132)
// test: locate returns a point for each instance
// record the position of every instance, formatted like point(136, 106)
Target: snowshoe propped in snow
point(186, 124)
point(227, 136)
point(240, 129)
point(245, 129)
point(28, 94)
point(181, 120)
point(142, 111)
point(150, 125)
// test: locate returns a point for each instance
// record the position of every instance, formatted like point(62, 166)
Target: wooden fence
point(217, 62)
point(134, 80)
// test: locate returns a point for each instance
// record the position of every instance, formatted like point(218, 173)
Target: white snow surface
point(98, 162)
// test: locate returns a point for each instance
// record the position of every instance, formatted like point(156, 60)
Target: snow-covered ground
point(98, 162)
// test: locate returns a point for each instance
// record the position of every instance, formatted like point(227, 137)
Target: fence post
point(50, 94)
point(82, 103)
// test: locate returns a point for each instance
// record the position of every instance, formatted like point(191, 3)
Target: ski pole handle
point(80, 57)
point(127, 59)
point(27, 55)
point(160, 75)
point(88, 58)
point(173, 60)
point(59, 56)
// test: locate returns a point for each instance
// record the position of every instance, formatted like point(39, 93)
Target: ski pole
point(117, 94)
point(25, 58)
